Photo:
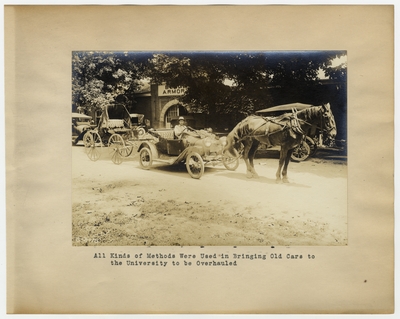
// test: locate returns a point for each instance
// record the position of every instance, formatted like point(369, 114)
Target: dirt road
point(117, 205)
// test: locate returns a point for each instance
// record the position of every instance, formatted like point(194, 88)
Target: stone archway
point(166, 107)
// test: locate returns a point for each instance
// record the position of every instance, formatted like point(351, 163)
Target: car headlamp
point(223, 140)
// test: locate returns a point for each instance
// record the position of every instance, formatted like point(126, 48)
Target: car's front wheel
point(231, 163)
point(195, 165)
point(145, 158)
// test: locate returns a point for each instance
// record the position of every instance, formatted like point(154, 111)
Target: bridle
point(323, 127)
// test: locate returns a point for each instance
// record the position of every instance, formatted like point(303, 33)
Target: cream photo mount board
point(47, 274)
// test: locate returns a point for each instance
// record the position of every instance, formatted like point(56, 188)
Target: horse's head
point(233, 139)
point(329, 124)
point(231, 143)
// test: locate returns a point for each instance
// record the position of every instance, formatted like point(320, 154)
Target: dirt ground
point(118, 205)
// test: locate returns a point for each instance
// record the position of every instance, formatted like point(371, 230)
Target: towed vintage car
point(80, 124)
point(312, 142)
point(194, 153)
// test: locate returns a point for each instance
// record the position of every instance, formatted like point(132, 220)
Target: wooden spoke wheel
point(127, 150)
point(116, 156)
point(231, 163)
point(116, 144)
point(87, 140)
point(195, 165)
point(93, 145)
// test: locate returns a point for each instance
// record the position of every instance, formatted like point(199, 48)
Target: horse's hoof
point(255, 175)
point(285, 180)
point(249, 175)
point(278, 181)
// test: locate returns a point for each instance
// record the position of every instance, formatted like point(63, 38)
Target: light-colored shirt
point(179, 129)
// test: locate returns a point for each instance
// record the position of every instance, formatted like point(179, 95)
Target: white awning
point(285, 107)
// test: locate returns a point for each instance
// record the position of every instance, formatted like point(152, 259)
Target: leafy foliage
point(217, 83)
point(98, 78)
point(240, 82)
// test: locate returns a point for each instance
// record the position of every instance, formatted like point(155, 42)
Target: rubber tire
point(301, 152)
point(312, 145)
point(195, 165)
point(230, 163)
point(145, 158)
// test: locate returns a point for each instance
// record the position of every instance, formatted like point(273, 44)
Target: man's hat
point(181, 117)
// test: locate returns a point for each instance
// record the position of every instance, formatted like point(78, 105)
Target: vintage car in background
point(313, 142)
point(80, 124)
point(120, 134)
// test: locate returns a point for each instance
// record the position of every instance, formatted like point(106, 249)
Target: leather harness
point(290, 123)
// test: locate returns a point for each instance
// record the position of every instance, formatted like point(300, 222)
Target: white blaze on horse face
point(329, 121)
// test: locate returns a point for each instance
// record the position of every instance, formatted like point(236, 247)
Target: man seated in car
point(190, 135)
point(182, 131)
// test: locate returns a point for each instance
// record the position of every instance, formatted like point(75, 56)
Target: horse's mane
point(282, 117)
point(310, 113)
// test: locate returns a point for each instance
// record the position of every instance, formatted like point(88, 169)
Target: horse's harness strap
point(268, 124)
point(295, 125)
point(291, 123)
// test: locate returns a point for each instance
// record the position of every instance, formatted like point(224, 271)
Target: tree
point(99, 77)
point(253, 76)
point(222, 84)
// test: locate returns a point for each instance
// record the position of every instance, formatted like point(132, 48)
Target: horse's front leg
point(252, 153)
point(282, 158)
point(247, 145)
point(285, 166)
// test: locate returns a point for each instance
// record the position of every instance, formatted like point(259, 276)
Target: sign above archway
point(165, 90)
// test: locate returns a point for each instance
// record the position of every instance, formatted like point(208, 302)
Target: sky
point(335, 62)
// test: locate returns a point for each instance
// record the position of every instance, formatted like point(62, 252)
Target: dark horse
point(287, 131)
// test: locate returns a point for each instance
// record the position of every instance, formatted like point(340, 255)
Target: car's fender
point(152, 148)
point(182, 156)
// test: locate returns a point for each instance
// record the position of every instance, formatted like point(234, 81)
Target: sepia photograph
point(209, 148)
point(223, 159)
